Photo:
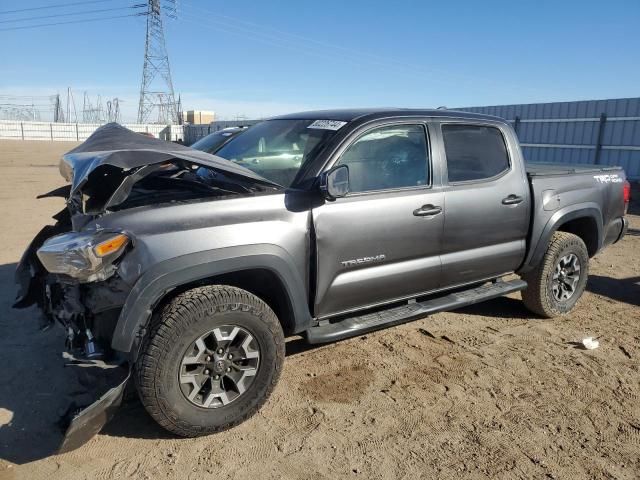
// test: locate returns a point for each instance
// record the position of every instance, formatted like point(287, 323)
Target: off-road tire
point(538, 296)
point(181, 321)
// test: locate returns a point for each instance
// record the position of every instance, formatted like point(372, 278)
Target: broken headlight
point(86, 256)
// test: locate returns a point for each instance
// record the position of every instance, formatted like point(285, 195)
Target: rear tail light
point(626, 195)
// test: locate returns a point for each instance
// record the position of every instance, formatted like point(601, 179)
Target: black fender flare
point(165, 276)
point(562, 216)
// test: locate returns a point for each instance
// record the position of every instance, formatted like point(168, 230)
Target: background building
point(198, 117)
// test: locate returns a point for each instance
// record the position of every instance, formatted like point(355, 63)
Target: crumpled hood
point(113, 144)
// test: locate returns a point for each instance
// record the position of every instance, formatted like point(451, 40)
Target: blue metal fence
point(604, 132)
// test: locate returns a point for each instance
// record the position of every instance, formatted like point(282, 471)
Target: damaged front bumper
point(82, 422)
point(88, 313)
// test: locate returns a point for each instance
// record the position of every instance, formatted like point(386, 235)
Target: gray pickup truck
point(188, 269)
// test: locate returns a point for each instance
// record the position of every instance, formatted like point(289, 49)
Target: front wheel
point(212, 358)
point(557, 283)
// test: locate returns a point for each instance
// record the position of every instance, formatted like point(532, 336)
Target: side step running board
point(354, 326)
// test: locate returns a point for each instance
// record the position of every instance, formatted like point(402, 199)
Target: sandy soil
point(488, 391)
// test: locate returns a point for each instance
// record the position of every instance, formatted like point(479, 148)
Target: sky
point(256, 58)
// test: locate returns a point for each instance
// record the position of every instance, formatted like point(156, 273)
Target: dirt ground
point(488, 391)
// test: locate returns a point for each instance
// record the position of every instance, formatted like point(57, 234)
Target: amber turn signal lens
point(110, 246)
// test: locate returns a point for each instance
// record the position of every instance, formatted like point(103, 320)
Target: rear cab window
point(474, 152)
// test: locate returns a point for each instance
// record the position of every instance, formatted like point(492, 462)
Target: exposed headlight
point(87, 256)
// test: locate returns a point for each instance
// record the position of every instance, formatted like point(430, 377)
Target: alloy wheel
point(565, 277)
point(219, 366)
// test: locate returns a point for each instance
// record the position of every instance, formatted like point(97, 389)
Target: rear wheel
point(213, 356)
point(558, 282)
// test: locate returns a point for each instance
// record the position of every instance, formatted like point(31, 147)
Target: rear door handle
point(512, 200)
point(427, 211)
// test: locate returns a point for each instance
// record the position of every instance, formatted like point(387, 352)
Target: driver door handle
point(427, 211)
point(512, 200)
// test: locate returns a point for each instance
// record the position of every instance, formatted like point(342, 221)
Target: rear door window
point(474, 152)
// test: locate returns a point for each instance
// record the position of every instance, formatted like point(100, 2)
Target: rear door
point(382, 241)
point(487, 202)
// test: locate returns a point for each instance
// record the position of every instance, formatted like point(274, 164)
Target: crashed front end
point(71, 277)
point(72, 269)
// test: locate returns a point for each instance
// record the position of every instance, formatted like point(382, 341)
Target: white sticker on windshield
point(327, 124)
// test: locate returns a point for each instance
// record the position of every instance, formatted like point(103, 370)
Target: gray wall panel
point(579, 125)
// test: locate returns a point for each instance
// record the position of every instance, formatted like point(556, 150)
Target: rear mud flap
point(84, 424)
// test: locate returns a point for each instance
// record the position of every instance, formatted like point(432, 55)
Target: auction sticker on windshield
point(327, 124)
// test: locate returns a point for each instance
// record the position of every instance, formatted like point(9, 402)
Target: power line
point(315, 51)
point(73, 21)
point(53, 6)
point(276, 34)
point(323, 49)
point(304, 44)
point(139, 5)
point(15, 97)
point(265, 38)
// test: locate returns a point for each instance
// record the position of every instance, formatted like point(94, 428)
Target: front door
point(382, 241)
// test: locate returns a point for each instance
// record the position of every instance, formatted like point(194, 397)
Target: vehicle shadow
point(622, 290)
point(36, 388)
point(34, 383)
point(501, 307)
point(298, 345)
point(133, 421)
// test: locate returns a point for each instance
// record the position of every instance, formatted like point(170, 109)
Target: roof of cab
point(348, 115)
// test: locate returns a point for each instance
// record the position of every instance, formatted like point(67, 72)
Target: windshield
point(212, 142)
point(277, 149)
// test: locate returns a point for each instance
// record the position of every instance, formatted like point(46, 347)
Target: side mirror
point(335, 182)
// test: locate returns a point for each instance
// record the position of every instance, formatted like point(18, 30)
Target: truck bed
point(544, 169)
point(591, 195)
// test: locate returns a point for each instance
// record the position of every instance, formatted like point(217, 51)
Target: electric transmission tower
point(58, 114)
point(91, 113)
point(113, 110)
point(157, 101)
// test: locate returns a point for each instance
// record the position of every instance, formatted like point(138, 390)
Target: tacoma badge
point(358, 261)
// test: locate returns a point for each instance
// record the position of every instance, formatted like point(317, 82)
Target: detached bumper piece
point(354, 326)
point(83, 423)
